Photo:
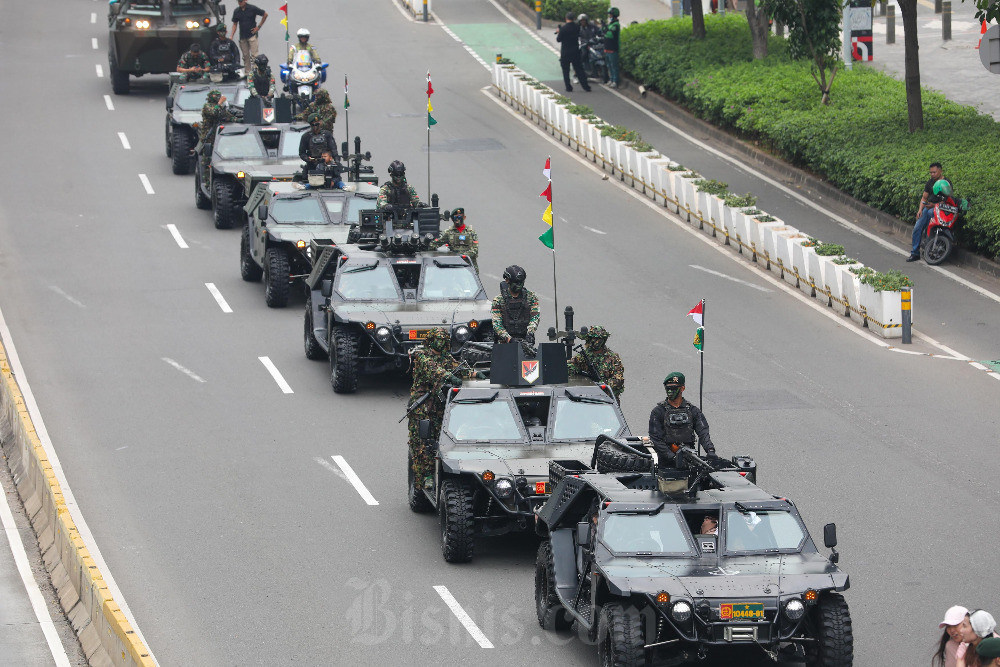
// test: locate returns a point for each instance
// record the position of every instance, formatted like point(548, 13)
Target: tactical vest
point(398, 195)
point(678, 424)
point(317, 144)
point(262, 81)
point(462, 239)
point(516, 313)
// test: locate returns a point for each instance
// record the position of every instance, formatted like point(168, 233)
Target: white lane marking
point(63, 294)
point(940, 346)
point(146, 184)
point(465, 46)
point(596, 231)
point(530, 31)
point(463, 617)
point(100, 71)
point(31, 586)
point(93, 17)
point(118, 449)
point(125, 144)
point(332, 468)
point(108, 103)
point(723, 275)
point(276, 374)
point(191, 374)
point(177, 236)
point(74, 508)
point(93, 43)
point(219, 299)
point(355, 481)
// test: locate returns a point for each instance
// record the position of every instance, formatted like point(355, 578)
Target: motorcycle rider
point(397, 193)
point(313, 143)
point(222, 50)
point(515, 309)
point(673, 423)
point(926, 210)
point(261, 81)
point(303, 45)
point(194, 63)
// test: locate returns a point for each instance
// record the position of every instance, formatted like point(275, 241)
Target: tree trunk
point(698, 19)
point(911, 60)
point(758, 30)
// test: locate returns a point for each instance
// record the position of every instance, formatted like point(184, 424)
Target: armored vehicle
point(243, 155)
point(282, 218)
point(665, 568)
point(497, 439)
point(150, 36)
point(369, 304)
point(184, 103)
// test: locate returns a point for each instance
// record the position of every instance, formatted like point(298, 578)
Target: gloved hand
point(530, 338)
point(479, 375)
point(454, 380)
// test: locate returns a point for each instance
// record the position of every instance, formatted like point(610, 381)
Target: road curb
point(105, 634)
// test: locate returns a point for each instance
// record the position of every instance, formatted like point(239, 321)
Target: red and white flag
point(696, 313)
point(547, 172)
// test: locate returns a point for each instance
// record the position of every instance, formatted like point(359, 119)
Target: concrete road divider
point(105, 634)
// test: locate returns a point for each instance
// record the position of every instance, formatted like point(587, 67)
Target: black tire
point(120, 83)
point(619, 637)
point(200, 200)
point(551, 615)
point(936, 249)
point(612, 459)
point(415, 497)
point(344, 360)
point(181, 159)
point(249, 270)
point(227, 208)
point(601, 72)
point(168, 137)
point(276, 281)
point(313, 350)
point(834, 645)
point(457, 521)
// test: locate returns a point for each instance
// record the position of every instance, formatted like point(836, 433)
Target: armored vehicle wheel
point(180, 145)
point(612, 459)
point(200, 200)
point(551, 615)
point(619, 637)
point(457, 521)
point(834, 645)
point(120, 83)
point(344, 360)
point(249, 270)
point(227, 209)
point(276, 281)
point(313, 350)
point(936, 249)
point(417, 500)
point(167, 137)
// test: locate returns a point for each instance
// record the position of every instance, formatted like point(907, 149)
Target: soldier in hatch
point(515, 309)
point(461, 238)
point(673, 423)
point(397, 193)
point(596, 359)
point(323, 107)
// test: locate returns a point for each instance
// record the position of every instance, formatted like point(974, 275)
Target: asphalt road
point(213, 495)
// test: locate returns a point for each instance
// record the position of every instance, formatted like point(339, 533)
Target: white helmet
point(302, 33)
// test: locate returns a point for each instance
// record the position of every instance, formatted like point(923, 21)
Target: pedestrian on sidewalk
point(568, 36)
point(611, 36)
point(926, 209)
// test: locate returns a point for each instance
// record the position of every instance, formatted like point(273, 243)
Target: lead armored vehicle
point(150, 36)
point(184, 103)
point(634, 560)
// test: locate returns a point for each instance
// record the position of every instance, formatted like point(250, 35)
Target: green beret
point(313, 118)
point(675, 379)
point(989, 648)
point(460, 210)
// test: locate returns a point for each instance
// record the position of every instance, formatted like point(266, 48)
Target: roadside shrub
point(890, 281)
point(740, 201)
point(712, 186)
point(556, 10)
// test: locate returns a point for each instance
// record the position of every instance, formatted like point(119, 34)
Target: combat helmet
point(437, 339)
point(213, 97)
point(323, 96)
point(596, 333)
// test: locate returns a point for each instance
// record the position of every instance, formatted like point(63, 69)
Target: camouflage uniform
point(190, 59)
point(386, 189)
point(212, 114)
point(464, 241)
point(433, 365)
point(499, 303)
point(607, 364)
point(323, 107)
point(251, 82)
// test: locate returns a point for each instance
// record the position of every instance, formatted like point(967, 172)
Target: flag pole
point(347, 121)
point(701, 354)
point(555, 284)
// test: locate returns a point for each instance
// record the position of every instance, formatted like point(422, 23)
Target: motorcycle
point(594, 63)
point(303, 77)
point(939, 239)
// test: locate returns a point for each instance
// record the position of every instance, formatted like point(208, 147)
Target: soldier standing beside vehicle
point(323, 107)
point(194, 63)
point(313, 143)
point(461, 238)
point(261, 81)
point(515, 309)
point(397, 193)
point(597, 359)
point(245, 16)
point(673, 423)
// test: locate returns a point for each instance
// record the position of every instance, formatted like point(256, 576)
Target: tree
point(814, 33)
point(759, 29)
point(989, 10)
point(697, 19)
point(911, 65)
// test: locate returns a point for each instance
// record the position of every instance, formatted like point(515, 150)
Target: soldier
point(222, 50)
point(323, 107)
point(261, 81)
point(313, 143)
point(461, 238)
point(213, 114)
point(303, 45)
point(673, 423)
point(194, 63)
point(397, 192)
point(433, 367)
point(515, 309)
point(597, 360)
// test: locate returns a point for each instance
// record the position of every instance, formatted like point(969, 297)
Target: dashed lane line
point(93, 17)
point(60, 292)
point(276, 374)
point(100, 71)
point(355, 481)
point(125, 144)
point(177, 236)
point(219, 299)
point(108, 103)
point(463, 617)
point(93, 43)
point(191, 374)
point(146, 184)
point(727, 277)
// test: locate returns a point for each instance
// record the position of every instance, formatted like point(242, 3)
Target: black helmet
point(261, 61)
point(397, 168)
point(514, 274)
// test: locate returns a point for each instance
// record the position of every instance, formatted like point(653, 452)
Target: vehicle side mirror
point(583, 533)
point(830, 535)
point(170, 102)
point(326, 288)
point(222, 10)
point(262, 212)
point(424, 429)
point(206, 150)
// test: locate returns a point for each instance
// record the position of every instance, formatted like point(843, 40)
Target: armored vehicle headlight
point(142, 24)
point(240, 174)
point(462, 333)
point(504, 487)
point(681, 611)
point(300, 244)
point(191, 25)
point(794, 609)
point(382, 334)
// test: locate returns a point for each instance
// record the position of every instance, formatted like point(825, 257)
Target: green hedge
point(859, 142)
point(556, 10)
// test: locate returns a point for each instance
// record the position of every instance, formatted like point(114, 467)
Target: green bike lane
point(489, 39)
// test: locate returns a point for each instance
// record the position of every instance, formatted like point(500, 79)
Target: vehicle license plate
point(741, 611)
